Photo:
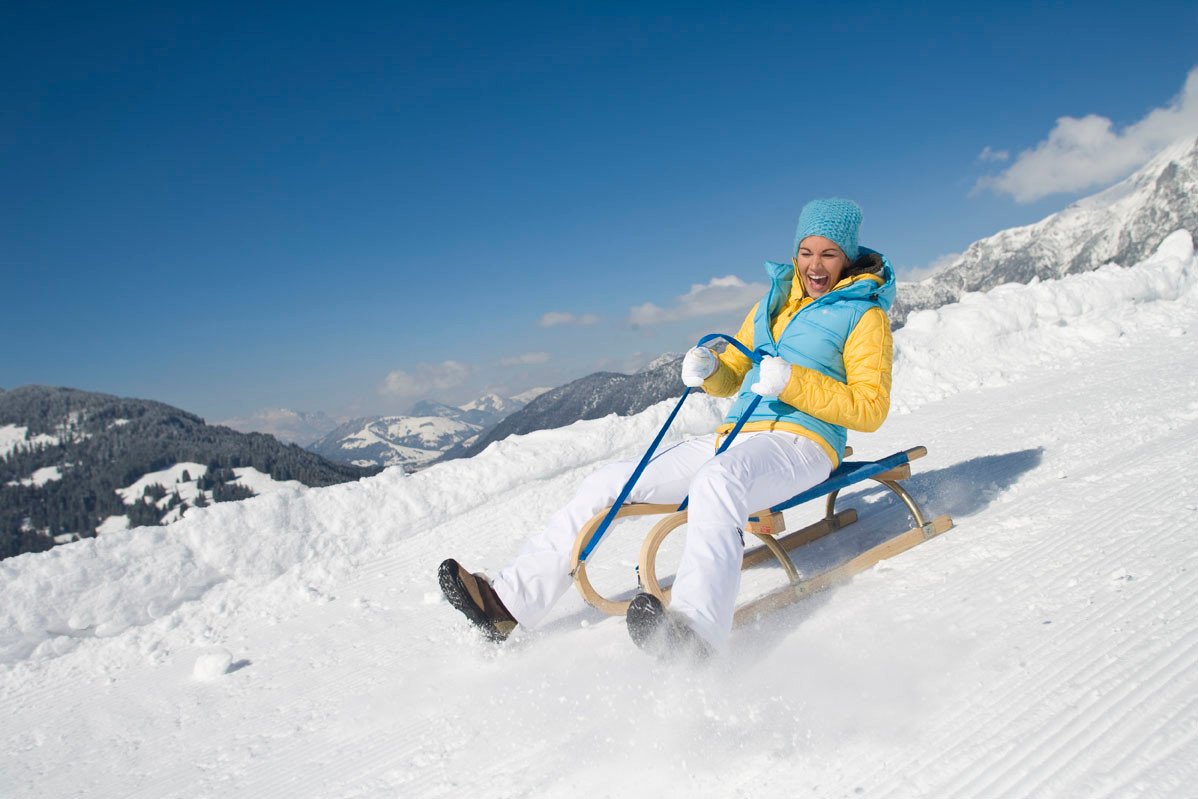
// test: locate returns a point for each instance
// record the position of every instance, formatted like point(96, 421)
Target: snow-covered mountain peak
point(414, 440)
point(490, 403)
point(661, 360)
point(1123, 224)
point(1181, 154)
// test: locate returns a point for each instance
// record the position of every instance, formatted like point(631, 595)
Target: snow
point(487, 402)
point(1029, 328)
point(295, 643)
point(10, 437)
point(13, 438)
point(113, 524)
point(170, 478)
point(407, 440)
point(46, 474)
point(261, 483)
point(429, 430)
point(210, 665)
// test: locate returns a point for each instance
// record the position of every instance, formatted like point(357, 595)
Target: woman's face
point(820, 263)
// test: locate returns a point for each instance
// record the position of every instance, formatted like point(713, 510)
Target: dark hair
point(869, 263)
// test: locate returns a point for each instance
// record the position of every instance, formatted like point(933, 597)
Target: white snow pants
point(758, 470)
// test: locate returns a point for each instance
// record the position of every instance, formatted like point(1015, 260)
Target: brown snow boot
point(473, 595)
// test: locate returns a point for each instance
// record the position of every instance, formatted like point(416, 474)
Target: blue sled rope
point(597, 536)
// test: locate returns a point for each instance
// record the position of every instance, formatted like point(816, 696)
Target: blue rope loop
point(752, 355)
point(601, 530)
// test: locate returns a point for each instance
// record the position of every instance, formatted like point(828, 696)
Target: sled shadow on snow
point(960, 491)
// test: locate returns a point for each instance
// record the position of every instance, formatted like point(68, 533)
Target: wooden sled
point(768, 527)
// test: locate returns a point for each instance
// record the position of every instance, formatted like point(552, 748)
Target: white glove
point(698, 365)
point(772, 377)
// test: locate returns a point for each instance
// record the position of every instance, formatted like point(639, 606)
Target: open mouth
point(818, 282)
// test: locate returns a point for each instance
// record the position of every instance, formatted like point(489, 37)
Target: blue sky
point(347, 207)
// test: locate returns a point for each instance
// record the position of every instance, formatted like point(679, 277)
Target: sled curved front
point(766, 526)
point(612, 607)
point(647, 562)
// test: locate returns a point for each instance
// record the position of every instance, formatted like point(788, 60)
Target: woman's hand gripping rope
point(772, 377)
point(698, 365)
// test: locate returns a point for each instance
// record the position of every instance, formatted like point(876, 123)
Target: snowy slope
point(1048, 646)
point(13, 438)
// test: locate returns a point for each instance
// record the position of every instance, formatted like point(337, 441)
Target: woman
point(827, 350)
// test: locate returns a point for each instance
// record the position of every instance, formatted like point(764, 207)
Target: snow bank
point(994, 338)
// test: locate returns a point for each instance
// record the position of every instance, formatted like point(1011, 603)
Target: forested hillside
point(64, 453)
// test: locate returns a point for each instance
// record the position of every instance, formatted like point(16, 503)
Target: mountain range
point(419, 437)
point(591, 397)
point(1121, 225)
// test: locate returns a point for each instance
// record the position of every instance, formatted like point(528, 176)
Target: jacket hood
point(869, 277)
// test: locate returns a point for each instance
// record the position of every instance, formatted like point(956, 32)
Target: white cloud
point(424, 378)
point(554, 318)
point(928, 270)
point(720, 295)
point(1085, 152)
point(990, 154)
point(526, 359)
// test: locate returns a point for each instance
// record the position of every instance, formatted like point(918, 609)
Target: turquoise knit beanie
point(835, 219)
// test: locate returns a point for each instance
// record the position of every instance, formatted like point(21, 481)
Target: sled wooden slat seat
point(768, 527)
point(850, 472)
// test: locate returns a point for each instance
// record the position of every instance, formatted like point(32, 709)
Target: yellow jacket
point(861, 403)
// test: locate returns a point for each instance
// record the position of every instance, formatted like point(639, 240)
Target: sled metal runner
point(767, 525)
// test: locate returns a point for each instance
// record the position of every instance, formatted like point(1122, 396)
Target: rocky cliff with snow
point(1121, 225)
